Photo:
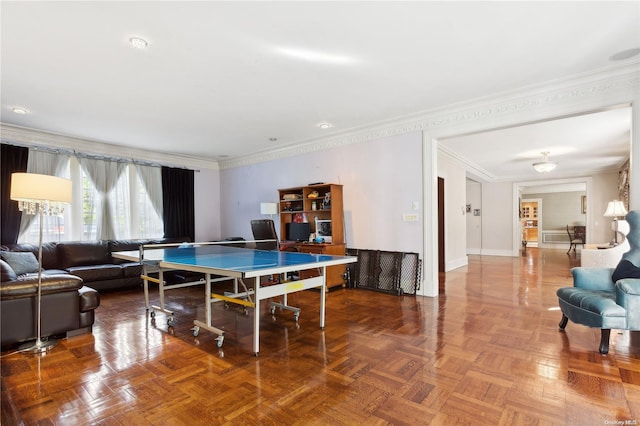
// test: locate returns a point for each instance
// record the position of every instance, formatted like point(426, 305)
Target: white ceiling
point(219, 79)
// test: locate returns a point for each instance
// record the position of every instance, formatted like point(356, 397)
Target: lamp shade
point(615, 208)
point(268, 208)
point(40, 188)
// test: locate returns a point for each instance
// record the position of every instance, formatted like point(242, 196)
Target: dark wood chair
point(578, 237)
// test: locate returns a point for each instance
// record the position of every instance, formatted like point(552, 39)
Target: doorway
point(530, 214)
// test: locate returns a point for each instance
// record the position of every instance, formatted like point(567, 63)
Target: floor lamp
point(42, 195)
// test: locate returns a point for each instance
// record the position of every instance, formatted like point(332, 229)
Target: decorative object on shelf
point(314, 194)
point(291, 197)
point(269, 209)
point(44, 195)
point(545, 165)
point(326, 201)
point(615, 209)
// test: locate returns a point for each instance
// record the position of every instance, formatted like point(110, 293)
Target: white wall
point(497, 220)
point(474, 223)
point(382, 179)
point(604, 189)
point(455, 200)
point(207, 202)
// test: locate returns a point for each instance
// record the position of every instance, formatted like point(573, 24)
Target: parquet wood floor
point(487, 351)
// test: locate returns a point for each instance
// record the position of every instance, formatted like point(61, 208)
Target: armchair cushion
point(592, 308)
point(21, 262)
point(625, 269)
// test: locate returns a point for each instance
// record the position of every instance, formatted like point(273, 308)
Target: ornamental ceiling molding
point(551, 100)
point(23, 136)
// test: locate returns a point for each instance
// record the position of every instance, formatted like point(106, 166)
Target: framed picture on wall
point(583, 204)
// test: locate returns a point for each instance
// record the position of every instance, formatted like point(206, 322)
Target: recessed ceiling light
point(315, 56)
point(625, 54)
point(325, 125)
point(138, 43)
point(20, 110)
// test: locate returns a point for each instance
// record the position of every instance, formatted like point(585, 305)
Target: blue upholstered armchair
point(606, 298)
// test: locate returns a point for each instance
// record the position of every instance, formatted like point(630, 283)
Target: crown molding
point(532, 103)
point(24, 136)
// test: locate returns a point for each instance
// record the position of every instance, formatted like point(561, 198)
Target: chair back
point(633, 237)
point(265, 229)
point(580, 233)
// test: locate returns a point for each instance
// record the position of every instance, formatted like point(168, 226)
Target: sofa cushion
point(93, 273)
point(49, 252)
point(21, 262)
point(82, 253)
point(131, 269)
point(8, 274)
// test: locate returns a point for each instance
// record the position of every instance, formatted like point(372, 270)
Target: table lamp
point(39, 194)
point(615, 208)
point(269, 208)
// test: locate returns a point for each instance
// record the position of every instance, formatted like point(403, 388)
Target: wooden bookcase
point(306, 204)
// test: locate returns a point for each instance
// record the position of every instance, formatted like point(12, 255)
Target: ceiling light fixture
point(138, 43)
point(325, 125)
point(315, 56)
point(545, 165)
point(20, 110)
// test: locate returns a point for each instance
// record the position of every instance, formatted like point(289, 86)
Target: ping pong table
point(223, 263)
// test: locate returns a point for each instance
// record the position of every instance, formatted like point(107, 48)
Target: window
point(127, 208)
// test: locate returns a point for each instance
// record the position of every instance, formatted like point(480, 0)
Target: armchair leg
point(563, 322)
point(604, 341)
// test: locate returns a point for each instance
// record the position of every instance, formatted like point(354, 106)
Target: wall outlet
point(409, 217)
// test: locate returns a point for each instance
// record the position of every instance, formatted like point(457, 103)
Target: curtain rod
point(95, 156)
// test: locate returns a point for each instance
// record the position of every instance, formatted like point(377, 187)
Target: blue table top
point(228, 260)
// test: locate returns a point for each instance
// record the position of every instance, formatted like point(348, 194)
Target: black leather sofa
point(92, 260)
point(67, 305)
point(73, 275)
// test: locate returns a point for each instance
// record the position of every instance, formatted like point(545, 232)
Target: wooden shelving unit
point(308, 203)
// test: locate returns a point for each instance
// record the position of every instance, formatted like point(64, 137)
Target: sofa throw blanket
point(625, 269)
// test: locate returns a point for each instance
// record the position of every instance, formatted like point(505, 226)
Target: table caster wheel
point(196, 331)
point(220, 339)
point(171, 320)
point(296, 316)
point(153, 314)
point(273, 310)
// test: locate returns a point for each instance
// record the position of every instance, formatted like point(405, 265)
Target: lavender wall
point(382, 180)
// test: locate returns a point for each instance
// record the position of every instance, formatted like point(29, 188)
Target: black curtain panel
point(178, 203)
point(12, 159)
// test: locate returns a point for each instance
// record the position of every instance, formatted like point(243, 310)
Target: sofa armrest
point(593, 278)
point(27, 285)
point(628, 296)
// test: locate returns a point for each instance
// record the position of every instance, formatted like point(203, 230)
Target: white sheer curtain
point(104, 175)
point(52, 164)
point(151, 178)
point(149, 202)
